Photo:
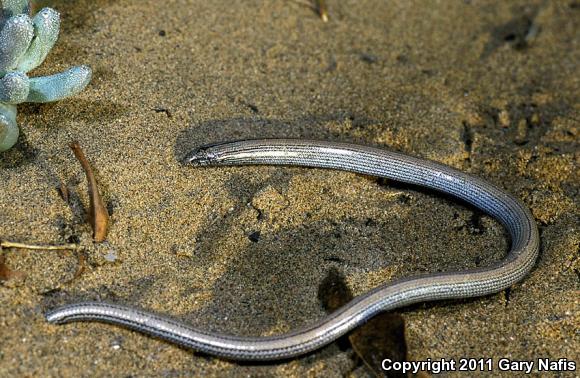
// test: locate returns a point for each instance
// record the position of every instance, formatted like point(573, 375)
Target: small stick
point(82, 266)
point(7, 274)
point(99, 217)
point(63, 190)
point(322, 10)
point(64, 247)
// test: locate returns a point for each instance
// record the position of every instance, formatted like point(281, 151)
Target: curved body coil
point(360, 159)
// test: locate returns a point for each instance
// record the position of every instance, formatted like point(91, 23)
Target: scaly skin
point(353, 158)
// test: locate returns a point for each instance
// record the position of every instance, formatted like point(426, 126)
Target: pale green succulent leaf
point(59, 86)
point(9, 8)
point(24, 45)
point(15, 38)
point(46, 28)
point(14, 88)
point(8, 127)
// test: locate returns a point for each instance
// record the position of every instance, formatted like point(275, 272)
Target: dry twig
point(322, 10)
point(318, 6)
point(8, 274)
point(63, 191)
point(99, 217)
point(63, 247)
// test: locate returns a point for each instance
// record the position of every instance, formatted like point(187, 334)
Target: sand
point(487, 87)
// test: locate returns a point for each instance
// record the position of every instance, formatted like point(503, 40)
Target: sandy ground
point(489, 87)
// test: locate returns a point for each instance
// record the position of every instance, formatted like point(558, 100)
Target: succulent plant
point(24, 44)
